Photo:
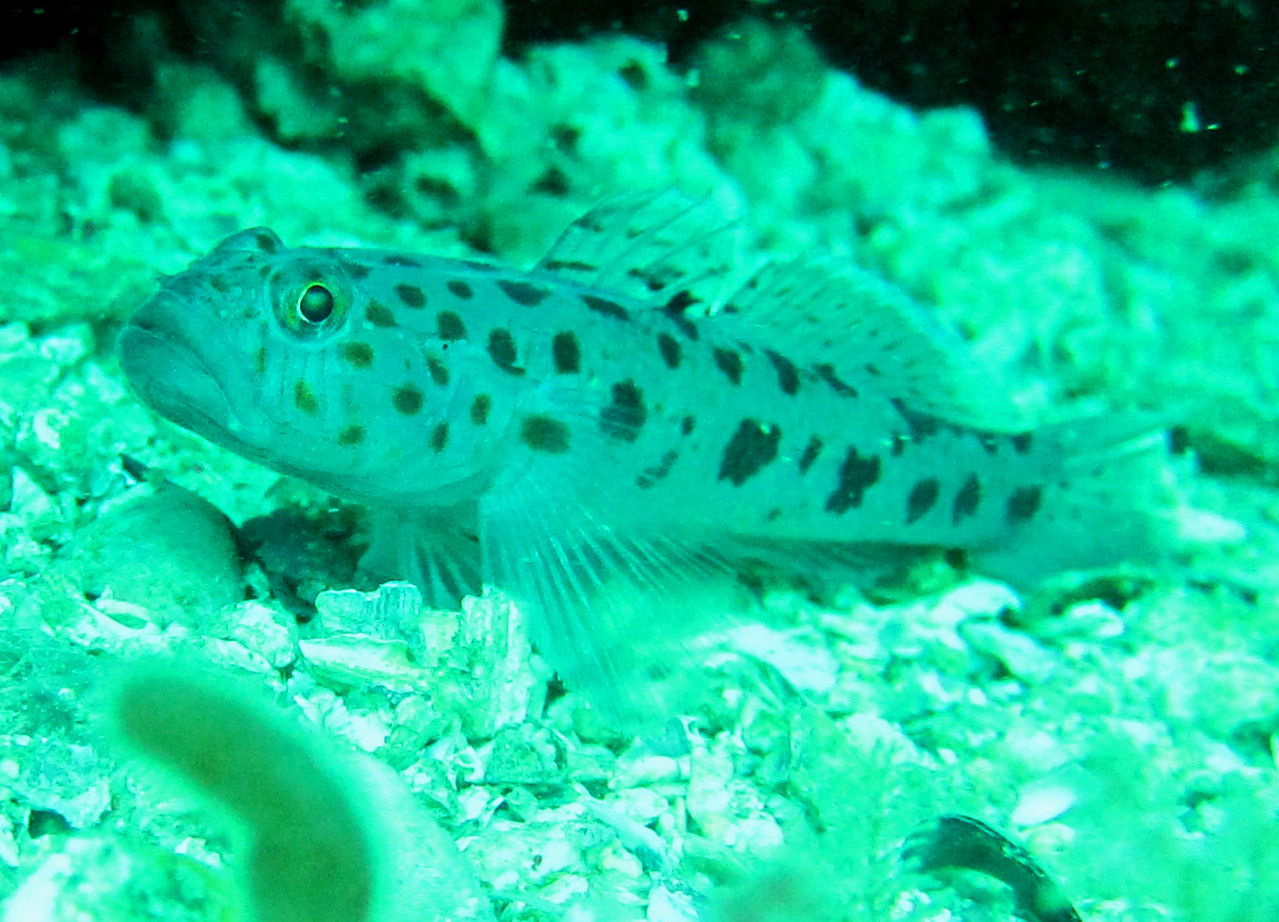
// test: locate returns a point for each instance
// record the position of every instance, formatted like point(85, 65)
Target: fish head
point(281, 355)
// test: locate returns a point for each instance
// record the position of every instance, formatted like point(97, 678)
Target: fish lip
point(169, 374)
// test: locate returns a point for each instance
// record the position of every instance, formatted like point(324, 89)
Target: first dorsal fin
point(651, 246)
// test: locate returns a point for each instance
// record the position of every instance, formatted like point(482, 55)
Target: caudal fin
point(1114, 500)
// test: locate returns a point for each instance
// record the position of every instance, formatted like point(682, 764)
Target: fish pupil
point(316, 304)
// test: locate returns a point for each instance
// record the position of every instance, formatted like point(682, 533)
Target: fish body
point(619, 420)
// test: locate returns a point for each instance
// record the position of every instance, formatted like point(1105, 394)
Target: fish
point(631, 417)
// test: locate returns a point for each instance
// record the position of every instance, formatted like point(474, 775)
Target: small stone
point(166, 549)
point(268, 632)
point(1018, 653)
point(390, 611)
point(518, 757)
point(355, 659)
point(1042, 801)
point(644, 768)
point(671, 906)
point(40, 516)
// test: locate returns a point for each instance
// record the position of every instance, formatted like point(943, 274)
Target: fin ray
point(614, 606)
point(649, 246)
point(439, 554)
point(1114, 497)
point(868, 330)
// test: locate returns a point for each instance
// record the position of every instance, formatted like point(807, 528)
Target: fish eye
point(310, 297)
point(316, 303)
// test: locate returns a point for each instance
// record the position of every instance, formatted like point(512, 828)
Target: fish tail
point(1112, 497)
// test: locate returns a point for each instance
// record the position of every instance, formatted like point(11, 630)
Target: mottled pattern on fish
point(584, 434)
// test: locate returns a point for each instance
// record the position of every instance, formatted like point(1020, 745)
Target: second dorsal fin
point(665, 249)
point(865, 330)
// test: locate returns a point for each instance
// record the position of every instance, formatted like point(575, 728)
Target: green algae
point(328, 837)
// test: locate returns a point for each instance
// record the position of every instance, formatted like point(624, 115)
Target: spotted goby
point(600, 432)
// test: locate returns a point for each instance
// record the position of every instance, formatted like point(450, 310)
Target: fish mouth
point(170, 374)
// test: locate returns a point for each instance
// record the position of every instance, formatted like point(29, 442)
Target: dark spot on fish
point(553, 181)
point(675, 308)
point(729, 362)
point(438, 371)
point(920, 425)
point(872, 370)
point(411, 295)
point(670, 350)
point(220, 283)
point(897, 445)
point(857, 474)
point(406, 262)
point(773, 515)
point(923, 496)
point(525, 293)
point(351, 435)
point(686, 425)
point(267, 241)
point(566, 353)
point(542, 433)
point(572, 265)
point(379, 315)
point(502, 350)
point(650, 279)
point(811, 451)
point(680, 302)
point(752, 448)
point(480, 409)
point(449, 326)
point(1022, 442)
point(966, 500)
point(304, 398)
point(407, 400)
point(439, 437)
point(357, 271)
point(606, 307)
point(1024, 503)
point(590, 223)
point(827, 373)
point(626, 414)
point(460, 289)
point(652, 475)
point(356, 354)
point(787, 373)
point(658, 277)
point(260, 359)
point(989, 443)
